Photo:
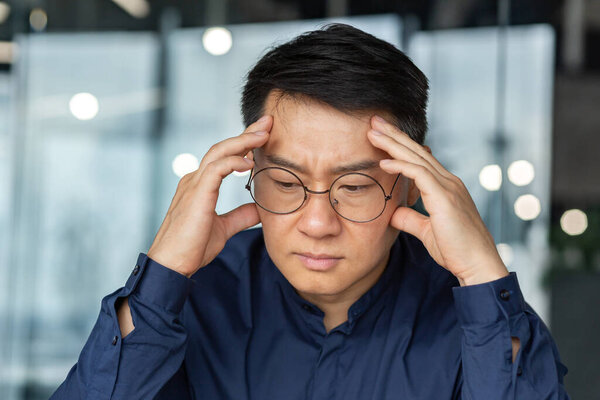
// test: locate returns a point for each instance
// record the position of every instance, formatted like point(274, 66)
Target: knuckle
point(213, 149)
point(211, 167)
point(183, 181)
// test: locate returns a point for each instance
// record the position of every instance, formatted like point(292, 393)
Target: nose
point(317, 218)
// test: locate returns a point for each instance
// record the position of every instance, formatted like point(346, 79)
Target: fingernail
point(260, 133)
point(248, 161)
point(380, 119)
point(377, 133)
point(385, 162)
point(264, 118)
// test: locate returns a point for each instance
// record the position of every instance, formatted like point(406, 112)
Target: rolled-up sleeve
point(139, 365)
point(490, 315)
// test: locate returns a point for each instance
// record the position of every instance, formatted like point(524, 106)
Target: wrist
point(484, 275)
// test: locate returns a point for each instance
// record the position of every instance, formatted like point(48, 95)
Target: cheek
point(276, 229)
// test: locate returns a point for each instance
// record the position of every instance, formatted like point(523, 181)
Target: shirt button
point(136, 270)
point(519, 371)
point(115, 340)
point(504, 294)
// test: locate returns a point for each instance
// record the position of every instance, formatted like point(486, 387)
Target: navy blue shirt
point(238, 330)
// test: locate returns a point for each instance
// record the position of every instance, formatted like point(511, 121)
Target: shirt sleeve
point(490, 314)
point(138, 366)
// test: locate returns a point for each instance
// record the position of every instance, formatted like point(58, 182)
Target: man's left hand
point(454, 233)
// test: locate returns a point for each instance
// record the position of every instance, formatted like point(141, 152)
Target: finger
point(399, 151)
point(425, 180)
point(237, 145)
point(410, 221)
point(216, 171)
point(262, 124)
point(395, 133)
point(240, 218)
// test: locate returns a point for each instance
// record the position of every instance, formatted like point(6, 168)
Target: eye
point(354, 188)
point(287, 185)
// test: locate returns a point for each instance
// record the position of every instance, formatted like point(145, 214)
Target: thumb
point(410, 221)
point(240, 218)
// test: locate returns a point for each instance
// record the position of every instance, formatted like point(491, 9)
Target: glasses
point(354, 196)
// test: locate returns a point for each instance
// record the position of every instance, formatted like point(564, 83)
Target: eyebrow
point(341, 169)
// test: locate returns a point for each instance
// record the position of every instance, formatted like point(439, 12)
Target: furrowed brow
point(341, 169)
point(282, 162)
point(355, 166)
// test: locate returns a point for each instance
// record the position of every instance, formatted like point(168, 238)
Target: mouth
point(318, 262)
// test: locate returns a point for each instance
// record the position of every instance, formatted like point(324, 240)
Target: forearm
point(109, 364)
point(507, 352)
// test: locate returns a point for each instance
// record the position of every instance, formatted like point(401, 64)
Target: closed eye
point(355, 188)
point(287, 185)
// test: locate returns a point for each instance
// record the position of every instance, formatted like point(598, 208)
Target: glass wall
point(91, 126)
point(491, 104)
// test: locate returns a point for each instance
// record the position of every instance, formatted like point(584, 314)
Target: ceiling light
point(135, 8)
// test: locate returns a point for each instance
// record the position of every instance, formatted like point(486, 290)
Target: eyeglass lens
point(354, 196)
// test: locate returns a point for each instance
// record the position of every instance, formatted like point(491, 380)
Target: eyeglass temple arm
point(389, 196)
point(249, 179)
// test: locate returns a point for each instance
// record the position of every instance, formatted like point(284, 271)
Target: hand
point(192, 234)
point(454, 233)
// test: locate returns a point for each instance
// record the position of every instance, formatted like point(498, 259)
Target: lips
point(318, 262)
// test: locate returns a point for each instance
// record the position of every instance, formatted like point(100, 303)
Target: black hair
point(346, 68)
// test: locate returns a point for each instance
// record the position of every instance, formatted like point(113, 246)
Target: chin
point(315, 283)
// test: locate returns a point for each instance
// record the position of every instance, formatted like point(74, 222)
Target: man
point(345, 292)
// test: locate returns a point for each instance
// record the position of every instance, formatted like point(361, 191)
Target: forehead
point(314, 133)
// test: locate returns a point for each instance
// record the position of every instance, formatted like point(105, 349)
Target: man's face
point(319, 252)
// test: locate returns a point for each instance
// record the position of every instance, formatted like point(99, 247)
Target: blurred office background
point(104, 104)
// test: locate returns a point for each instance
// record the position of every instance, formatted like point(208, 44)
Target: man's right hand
point(192, 234)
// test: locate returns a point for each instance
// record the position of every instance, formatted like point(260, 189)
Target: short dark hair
point(346, 68)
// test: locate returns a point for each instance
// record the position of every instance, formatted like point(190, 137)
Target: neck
point(336, 306)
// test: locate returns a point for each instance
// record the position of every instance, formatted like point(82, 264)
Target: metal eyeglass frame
point(307, 190)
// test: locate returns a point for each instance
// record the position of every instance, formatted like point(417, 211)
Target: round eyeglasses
point(354, 196)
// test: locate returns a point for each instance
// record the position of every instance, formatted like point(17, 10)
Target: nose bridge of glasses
point(316, 191)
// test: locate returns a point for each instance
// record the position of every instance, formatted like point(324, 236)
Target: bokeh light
point(84, 106)
point(574, 222)
point(184, 164)
point(241, 174)
point(527, 207)
point(490, 177)
point(506, 253)
point(4, 11)
point(217, 41)
point(38, 19)
point(521, 172)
